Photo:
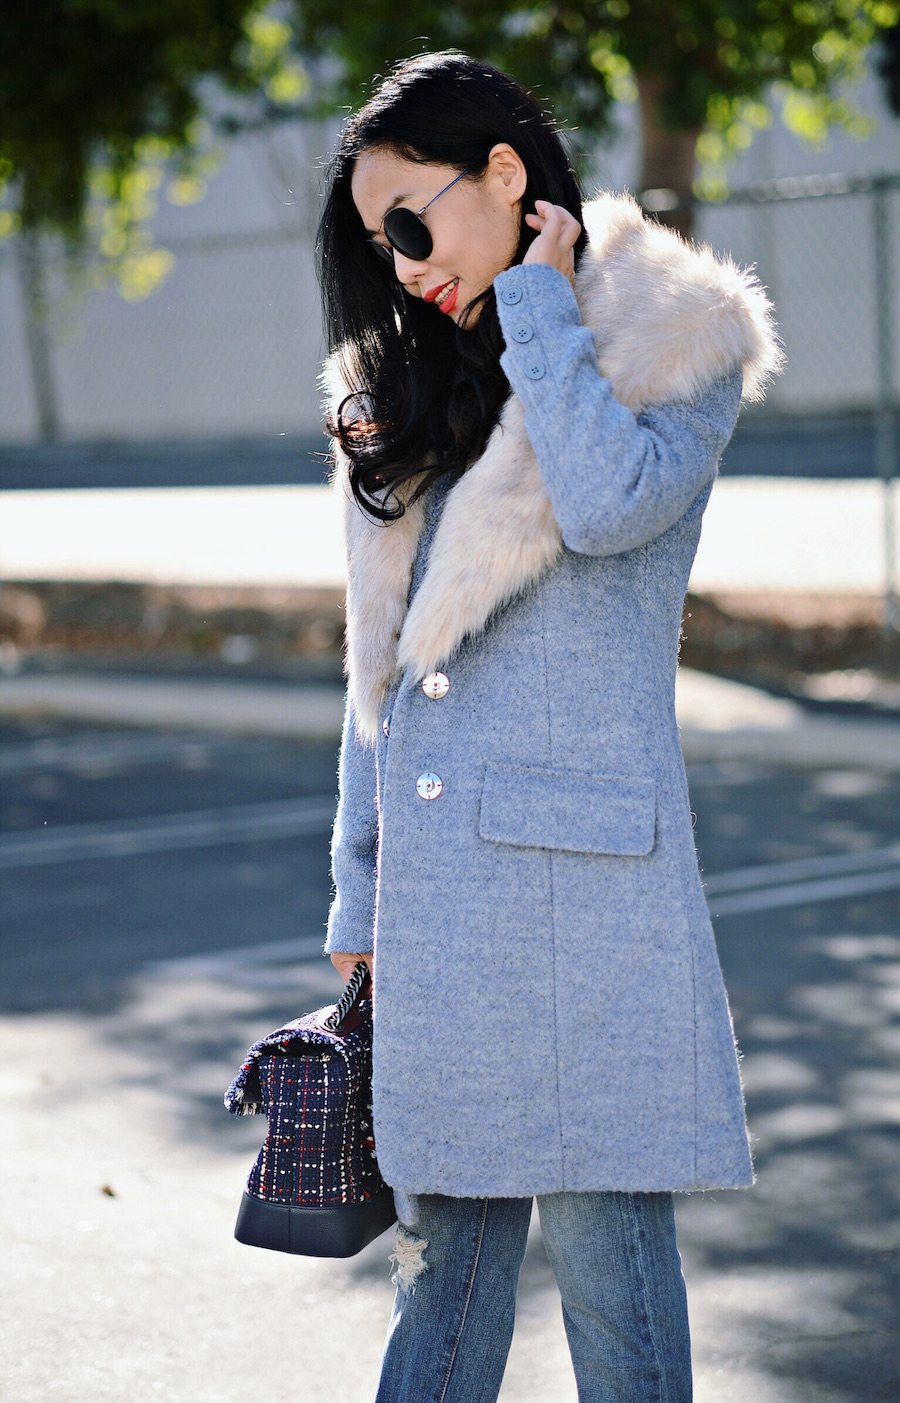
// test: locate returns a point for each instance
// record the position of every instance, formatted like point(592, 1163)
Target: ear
point(507, 169)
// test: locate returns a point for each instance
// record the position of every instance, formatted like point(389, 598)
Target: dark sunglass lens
point(385, 254)
point(408, 233)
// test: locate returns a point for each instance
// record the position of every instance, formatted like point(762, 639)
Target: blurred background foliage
point(700, 68)
point(104, 104)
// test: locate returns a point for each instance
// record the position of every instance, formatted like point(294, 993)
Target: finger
point(559, 214)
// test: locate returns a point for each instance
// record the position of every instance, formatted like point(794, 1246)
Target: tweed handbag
point(315, 1188)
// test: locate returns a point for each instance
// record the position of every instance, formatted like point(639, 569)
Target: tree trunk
point(27, 247)
point(668, 158)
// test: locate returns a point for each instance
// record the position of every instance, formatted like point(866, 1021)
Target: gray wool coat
point(513, 835)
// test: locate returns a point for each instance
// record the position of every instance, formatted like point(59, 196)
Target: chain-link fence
point(230, 342)
point(826, 248)
point(227, 344)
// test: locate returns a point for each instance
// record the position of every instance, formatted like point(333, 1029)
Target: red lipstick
point(450, 303)
point(433, 292)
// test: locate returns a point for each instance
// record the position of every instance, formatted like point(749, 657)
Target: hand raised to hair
point(554, 244)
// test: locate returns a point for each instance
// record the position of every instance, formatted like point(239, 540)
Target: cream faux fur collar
point(669, 316)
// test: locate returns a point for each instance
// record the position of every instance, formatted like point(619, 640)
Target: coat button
point(535, 370)
point(523, 333)
point(436, 685)
point(428, 785)
point(386, 726)
point(511, 295)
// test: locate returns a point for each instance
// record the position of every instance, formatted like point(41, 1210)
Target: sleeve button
point(511, 295)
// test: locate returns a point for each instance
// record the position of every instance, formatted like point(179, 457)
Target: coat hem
point(619, 1187)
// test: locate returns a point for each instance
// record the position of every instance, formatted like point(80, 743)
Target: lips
point(449, 304)
point(436, 291)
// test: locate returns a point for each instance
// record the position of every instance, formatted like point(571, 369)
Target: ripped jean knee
point(407, 1207)
point(409, 1255)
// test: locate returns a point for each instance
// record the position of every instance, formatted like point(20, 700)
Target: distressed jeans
point(618, 1269)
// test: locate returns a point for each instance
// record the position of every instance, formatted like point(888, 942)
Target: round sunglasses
point(407, 232)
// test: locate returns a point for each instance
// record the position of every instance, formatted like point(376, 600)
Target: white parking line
point(204, 828)
point(798, 869)
point(804, 893)
point(89, 753)
point(758, 888)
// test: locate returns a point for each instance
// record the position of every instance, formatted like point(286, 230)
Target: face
point(475, 226)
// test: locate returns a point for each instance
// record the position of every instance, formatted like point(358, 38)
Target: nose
point(408, 271)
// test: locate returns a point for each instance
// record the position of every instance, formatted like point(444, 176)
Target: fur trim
point(645, 285)
point(670, 317)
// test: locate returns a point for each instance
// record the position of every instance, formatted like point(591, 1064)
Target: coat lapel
point(669, 317)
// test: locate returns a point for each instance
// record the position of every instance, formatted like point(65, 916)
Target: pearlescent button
point(523, 333)
point(436, 685)
point(386, 726)
point(535, 370)
point(428, 785)
point(511, 295)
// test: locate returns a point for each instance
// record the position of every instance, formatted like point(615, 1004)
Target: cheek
point(485, 251)
point(499, 242)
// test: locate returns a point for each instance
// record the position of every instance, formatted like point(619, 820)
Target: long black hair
point(432, 391)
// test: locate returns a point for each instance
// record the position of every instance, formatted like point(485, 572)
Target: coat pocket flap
point(536, 806)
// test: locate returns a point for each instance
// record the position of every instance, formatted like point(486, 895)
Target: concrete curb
point(718, 719)
point(721, 720)
point(304, 711)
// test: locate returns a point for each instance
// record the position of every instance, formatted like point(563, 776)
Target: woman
point(527, 400)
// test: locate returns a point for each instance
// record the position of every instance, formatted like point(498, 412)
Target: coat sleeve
point(615, 479)
point(354, 842)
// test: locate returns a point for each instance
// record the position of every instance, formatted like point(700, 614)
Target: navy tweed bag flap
point(315, 1188)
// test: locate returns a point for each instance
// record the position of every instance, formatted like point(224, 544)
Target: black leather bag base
point(341, 1231)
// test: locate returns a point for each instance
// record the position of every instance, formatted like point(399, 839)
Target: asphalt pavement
point(164, 861)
